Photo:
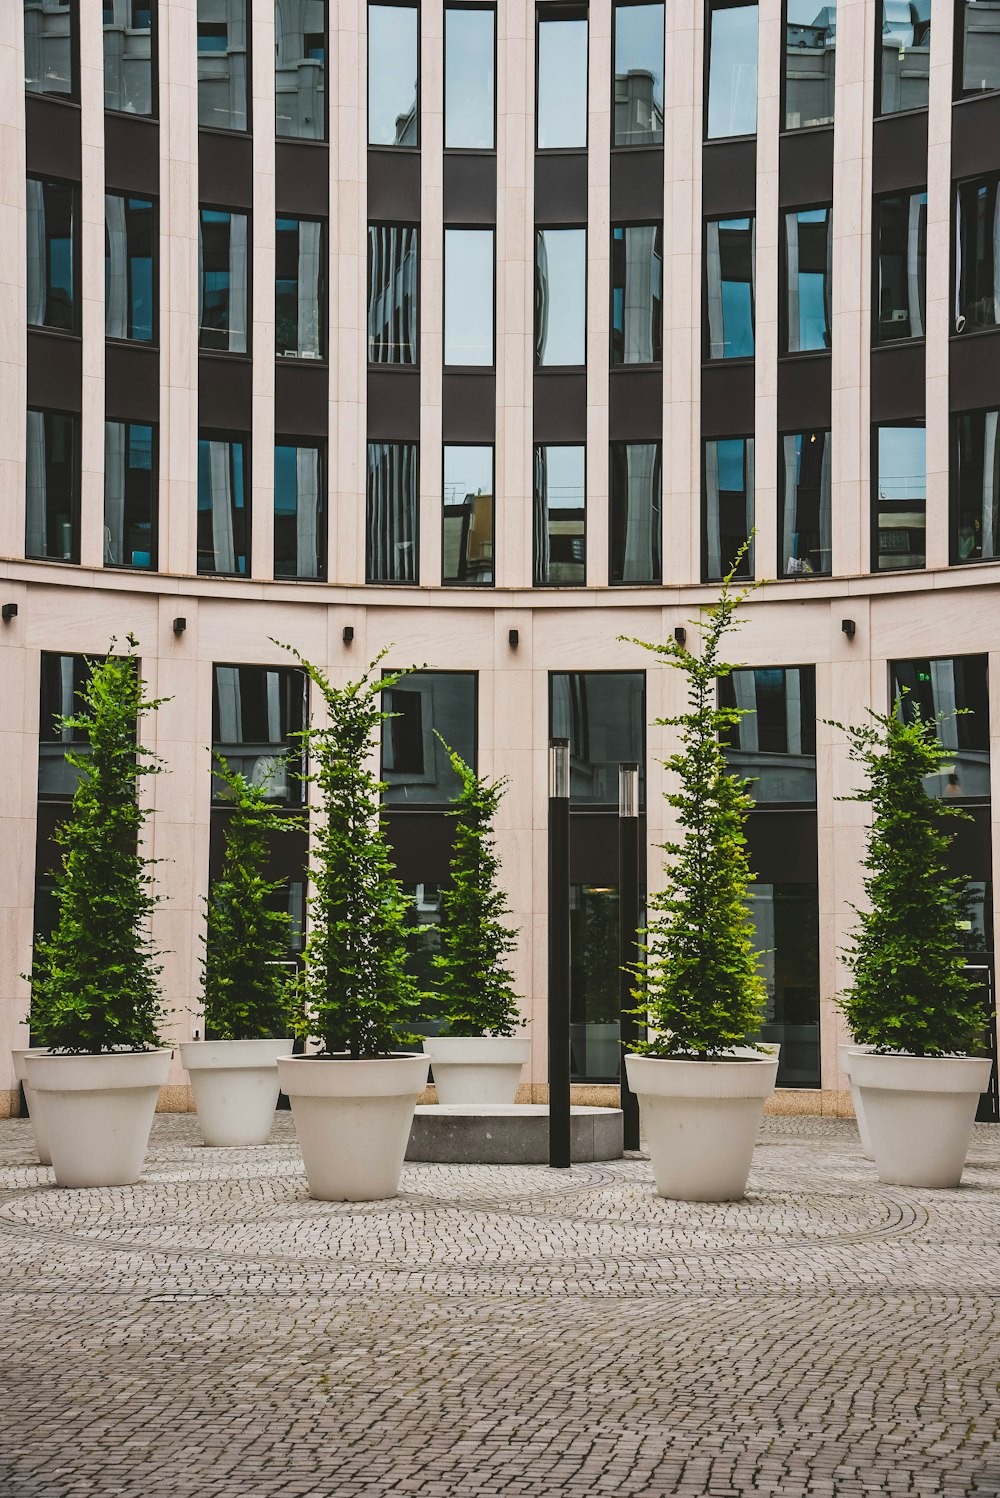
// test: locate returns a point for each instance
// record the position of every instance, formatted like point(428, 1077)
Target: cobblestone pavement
point(214, 1333)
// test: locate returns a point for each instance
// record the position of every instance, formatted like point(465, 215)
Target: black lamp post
point(628, 935)
point(558, 1009)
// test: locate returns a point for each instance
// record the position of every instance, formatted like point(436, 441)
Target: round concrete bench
point(509, 1134)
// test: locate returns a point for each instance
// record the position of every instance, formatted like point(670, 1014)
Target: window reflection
point(392, 75)
point(416, 766)
point(256, 713)
point(595, 1004)
point(810, 62)
point(223, 513)
point(392, 294)
point(901, 226)
point(980, 46)
point(730, 256)
point(732, 71)
point(637, 294)
point(904, 55)
point(223, 247)
point(49, 47)
point(562, 81)
point(901, 497)
point(128, 66)
point(785, 920)
point(129, 495)
point(300, 69)
point(62, 681)
point(977, 255)
point(638, 72)
point(468, 297)
point(299, 288)
point(976, 487)
point(957, 688)
point(560, 516)
point(560, 297)
point(469, 74)
point(728, 505)
point(51, 224)
point(468, 504)
point(391, 520)
point(807, 249)
point(603, 714)
point(299, 510)
point(129, 275)
point(222, 64)
point(635, 502)
point(52, 488)
point(774, 743)
point(804, 494)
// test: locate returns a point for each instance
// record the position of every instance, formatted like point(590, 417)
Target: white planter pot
point(920, 1112)
point(353, 1120)
point(700, 1120)
point(476, 1068)
point(97, 1112)
point(235, 1086)
point(844, 1058)
point(34, 1107)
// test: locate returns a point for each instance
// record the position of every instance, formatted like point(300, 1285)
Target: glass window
point(980, 46)
point(975, 483)
point(595, 1049)
point(562, 80)
point(416, 766)
point(222, 64)
point(129, 267)
point(51, 221)
point(223, 506)
point(299, 510)
point(469, 77)
point(732, 70)
point(391, 521)
point(957, 687)
point(392, 294)
point(560, 516)
point(636, 294)
point(807, 249)
point(256, 713)
point(810, 62)
point(300, 288)
point(50, 47)
point(774, 743)
point(300, 43)
point(785, 924)
point(638, 71)
point(901, 227)
point(901, 497)
point(560, 297)
point(62, 680)
point(636, 493)
point(977, 255)
point(52, 517)
point(128, 56)
point(468, 297)
point(223, 280)
point(129, 495)
point(603, 714)
point(804, 502)
point(393, 72)
point(904, 51)
point(728, 506)
point(467, 546)
point(730, 259)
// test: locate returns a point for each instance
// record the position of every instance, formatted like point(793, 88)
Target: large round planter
point(700, 1120)
point(352, 1120)
point(235, 1086)
point(97, 1112)
point(844, 1059)
point(920, 1112)
point(476, 1068)
point(34, 1106)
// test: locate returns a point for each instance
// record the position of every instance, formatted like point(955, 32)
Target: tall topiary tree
point(699, 982)
point(909, 992)
point(356, 989)
point(246, 939)
point(94, 980)
point(471, 967)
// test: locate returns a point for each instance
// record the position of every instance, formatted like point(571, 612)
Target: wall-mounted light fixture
point(512, 638)
point(849, 628)
point(180, 625)
point(348, 635)
point(8, 612)
point(680, 634)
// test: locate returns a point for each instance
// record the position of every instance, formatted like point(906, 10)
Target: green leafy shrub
point(471, 968)
point(909, 991)
point(94, 980)
point(699, 982)
point(246, 940)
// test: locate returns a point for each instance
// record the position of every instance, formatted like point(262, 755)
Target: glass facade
point(468, 518)
point(731, 108)
point(300, 44)
point(470, 77)
point(561, 79)
point(804, 490)
point(560, 297)
point(392, 294)
point(223, 506)
point(978, 63)
point(901, 246)
point(256, 713)
point(957, 688)
point(50, 47)
point(595, 1005)
point(728, 501)
point(52, 488)
point(807, 251)
point(636, 294)
point(977, 254)
point(300, 288)
point(391, 518)
point(560, 518)
point(299, 510)
point(899, 523)
point(603, 714)
point(130, 241)
point(52, 209)
point(730, 259)
point(62, 679)
point(128, 56)
point(774, 743)
point(786, 934)
point(223, 280)
point(393, 75)
point(810, 63)
point(638, 74)
point(130, 483)
point(416, 766)
point(975, 487)
point(468, 297)
point(904, 51)
point(635, 513)
point(222, 64)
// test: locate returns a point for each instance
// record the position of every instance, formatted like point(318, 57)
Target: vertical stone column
point(940, 296)
point(262, 230)
point(13, 284)
point(598, 290)
point(431, 319)
point(91, 290)
point(766, 230)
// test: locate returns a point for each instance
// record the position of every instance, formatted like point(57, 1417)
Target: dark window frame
point(324, 138)
point(561, 10)
point(458, 582)
point(231, 436)
point(877, 111)
point(784, 129)
point(417, 808)
point(490, 7)
point(960, 94)
point(957, 183)
point(751, 561)
point(537, 367)
point(154, 71)
point(387, 223)
point(559, 587)
point(919, 422)
point(324, 298)
point(644, 223)
point(706, 331)
point(877, 201)
point(154, 512)
point(413, 582)
point(784, 352)
point(606, 808)
point(154, 341)
point(653, 582)
point(247, 130)
point(371, 145)
point(298, 750)
point(783, 574)
point(954, 560)
point(218, 353)
point(773, 807)
point(320, 445)
point(617, 5)
point(464, 369)
point(72, 97)
point(73, 560)
point(711, 6)
point(76, 331)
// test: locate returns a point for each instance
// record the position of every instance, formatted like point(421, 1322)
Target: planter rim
point(726, 1080)
point(475, 1050)
point(898, 1071)
point(98, 1071)
point(18, 1054)
point(233, 1055)
point(403, 1074)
